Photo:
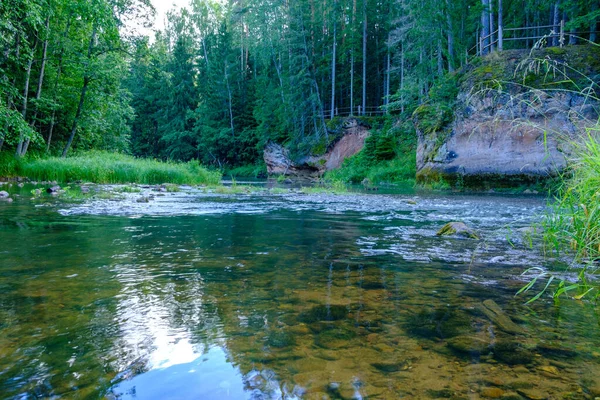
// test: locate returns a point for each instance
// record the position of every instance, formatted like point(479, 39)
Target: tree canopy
point(224, 78)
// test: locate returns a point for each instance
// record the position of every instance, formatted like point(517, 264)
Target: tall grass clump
point(573, 225)
point(104, 167)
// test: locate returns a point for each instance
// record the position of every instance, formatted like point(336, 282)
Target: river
point(201, 295)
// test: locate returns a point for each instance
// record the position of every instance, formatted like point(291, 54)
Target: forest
point(226, 77)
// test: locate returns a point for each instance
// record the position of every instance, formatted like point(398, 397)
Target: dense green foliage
point(388, 157)
point(104, 167)
point(224, 78)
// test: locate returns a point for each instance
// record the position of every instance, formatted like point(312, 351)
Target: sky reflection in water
point(289, 296)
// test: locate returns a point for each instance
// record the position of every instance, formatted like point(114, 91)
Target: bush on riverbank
point(104, 167)
point(388, 156)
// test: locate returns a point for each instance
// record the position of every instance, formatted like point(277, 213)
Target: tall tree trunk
point(402, 75)
point(485, 27)
point(388, 66)
point(84, 88)
point(26, 97)
point(556, 23)
point(594, 23)
point(573, 31)
point(364, 61)
point(55, 90)
point(492, 30)
point(450, 36)
point(352, 59)
point(334, 60)
point(230, 101)
point(440, 59)
point(500, 26)
point(38, 93)
point(9, 100)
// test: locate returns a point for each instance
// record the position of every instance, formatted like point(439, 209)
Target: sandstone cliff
point(511, 121)
point(351, 141)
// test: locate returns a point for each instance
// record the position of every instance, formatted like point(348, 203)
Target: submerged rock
point(493, 311)
point(440, 323)
point(533, 394)
point(390, 366)
point(333, 312)
point(472, 345)
point(335, 338)
point(280, 339)
point(457, 229)
point(512, 353)
point(492, 392)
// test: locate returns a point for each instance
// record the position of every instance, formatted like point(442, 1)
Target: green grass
point(328, 186)
point(248, 171)
point(576, 216)
point(572, 226)
point(104, 167)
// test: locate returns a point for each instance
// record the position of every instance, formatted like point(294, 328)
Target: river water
point(201, 295)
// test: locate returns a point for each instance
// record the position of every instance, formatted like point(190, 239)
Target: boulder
point(457, 229)
point(53, 189)
point(278, 161)
point(3, 194)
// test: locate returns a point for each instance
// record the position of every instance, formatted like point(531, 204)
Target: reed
point(104, 167)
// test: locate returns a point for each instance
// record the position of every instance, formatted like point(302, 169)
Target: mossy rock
point(512, 353)
point(335, 337)
point(471, 345)
point(323, 312)
point(457, 229)
point(440, 323)
point(388, 367)
point(280, 339)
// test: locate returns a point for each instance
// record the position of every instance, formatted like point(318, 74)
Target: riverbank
point(107, 168)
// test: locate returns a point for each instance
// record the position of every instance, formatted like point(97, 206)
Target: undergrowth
point(389, 156)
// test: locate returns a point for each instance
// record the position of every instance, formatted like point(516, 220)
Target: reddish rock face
point(522, 136)
point(278, 161)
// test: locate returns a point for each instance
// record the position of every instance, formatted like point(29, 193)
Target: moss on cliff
point(495, 79)
point(566, 68)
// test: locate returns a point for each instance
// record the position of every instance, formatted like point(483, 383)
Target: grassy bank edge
point(107, 168)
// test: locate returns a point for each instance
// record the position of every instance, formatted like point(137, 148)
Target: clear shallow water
point(197, 295)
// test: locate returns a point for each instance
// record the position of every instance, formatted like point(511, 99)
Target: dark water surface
point(207, 296)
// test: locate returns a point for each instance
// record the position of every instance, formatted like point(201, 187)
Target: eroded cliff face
point(278, 160)
point(505, 135)
point(495, 135)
